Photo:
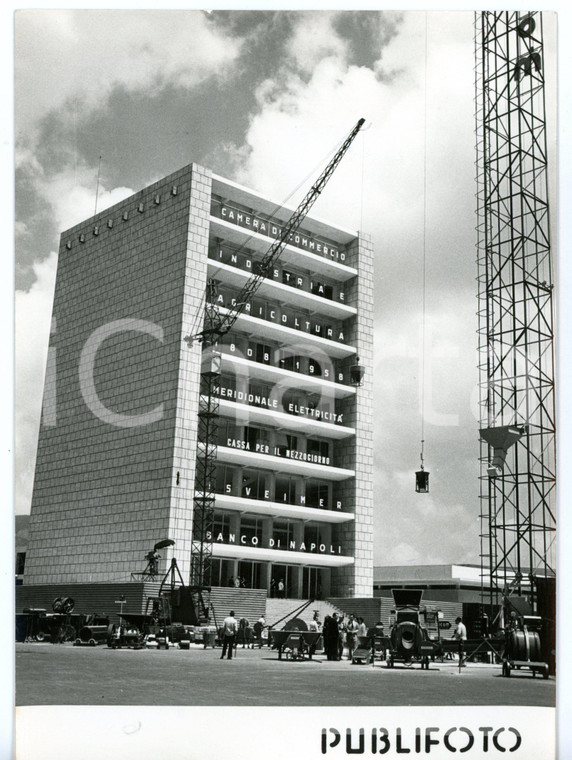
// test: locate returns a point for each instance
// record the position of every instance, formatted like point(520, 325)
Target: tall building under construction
point(119, 440)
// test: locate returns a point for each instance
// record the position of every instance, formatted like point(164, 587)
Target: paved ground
point(48, 674)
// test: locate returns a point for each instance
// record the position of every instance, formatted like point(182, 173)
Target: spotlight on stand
point(153, 557)
point(357, 373)
point(163, 544)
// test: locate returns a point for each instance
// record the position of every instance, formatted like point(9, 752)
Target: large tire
point(57, 605)
point(110, 635)
point(524, 645)
point(534, 647)
point(67, 605)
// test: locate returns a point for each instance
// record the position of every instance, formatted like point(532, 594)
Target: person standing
point(280, 589)
point(330, 633)
point(351, 634)
point(315, 624)
point(243, 628)
point(362, 627)
point(258, 628)
point(153, 558)
point(461, 636)
point(249, 636)
point(229, 629)
point(341, 636)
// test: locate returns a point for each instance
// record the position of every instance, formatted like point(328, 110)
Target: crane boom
point(211, 333)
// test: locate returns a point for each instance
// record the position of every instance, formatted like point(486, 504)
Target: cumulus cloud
point(79, 56)
point(300, 119)
point(71, 194)
point(314, 39)
point(33, 311)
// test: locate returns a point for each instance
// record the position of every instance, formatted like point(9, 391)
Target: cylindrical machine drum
point(524, 645)
point(406, 638)
point(95, 632)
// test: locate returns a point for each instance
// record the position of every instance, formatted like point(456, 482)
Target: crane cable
point(362, 182)
point(424, 267)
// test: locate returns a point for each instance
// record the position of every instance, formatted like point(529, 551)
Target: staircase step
point(247, 603)
point(279, 611)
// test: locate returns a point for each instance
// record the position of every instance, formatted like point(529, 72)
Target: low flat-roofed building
point(453, 583)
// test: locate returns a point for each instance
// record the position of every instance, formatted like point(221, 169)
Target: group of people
point(277, 588)
point(236, 631)
point(237, 582)
point(339, 634)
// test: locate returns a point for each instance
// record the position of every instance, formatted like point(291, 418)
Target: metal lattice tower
point(515, 312)
point(204, 501)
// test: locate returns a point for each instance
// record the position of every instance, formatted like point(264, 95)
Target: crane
point(217, 323)
point(516, 333)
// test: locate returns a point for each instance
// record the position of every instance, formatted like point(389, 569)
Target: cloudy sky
point(262, 98)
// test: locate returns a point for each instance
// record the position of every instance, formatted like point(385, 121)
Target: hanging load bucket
point(422, 477)
point(357, 373)
point(422, 481)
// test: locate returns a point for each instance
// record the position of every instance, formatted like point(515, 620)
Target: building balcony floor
point(280, 509)
point(226, 231)
point(227, 188)
point(288, 337)
point(246, 414)
point(248, 369)
point(284, 294)
point(229, 455)
point(280, 556)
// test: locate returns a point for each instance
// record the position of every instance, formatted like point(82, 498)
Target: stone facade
point(357, 580)
point(127, 292)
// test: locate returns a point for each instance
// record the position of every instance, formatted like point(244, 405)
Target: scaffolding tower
point(205, 476)
point(515, 309)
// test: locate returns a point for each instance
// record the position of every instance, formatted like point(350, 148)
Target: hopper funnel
point(501, 439)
